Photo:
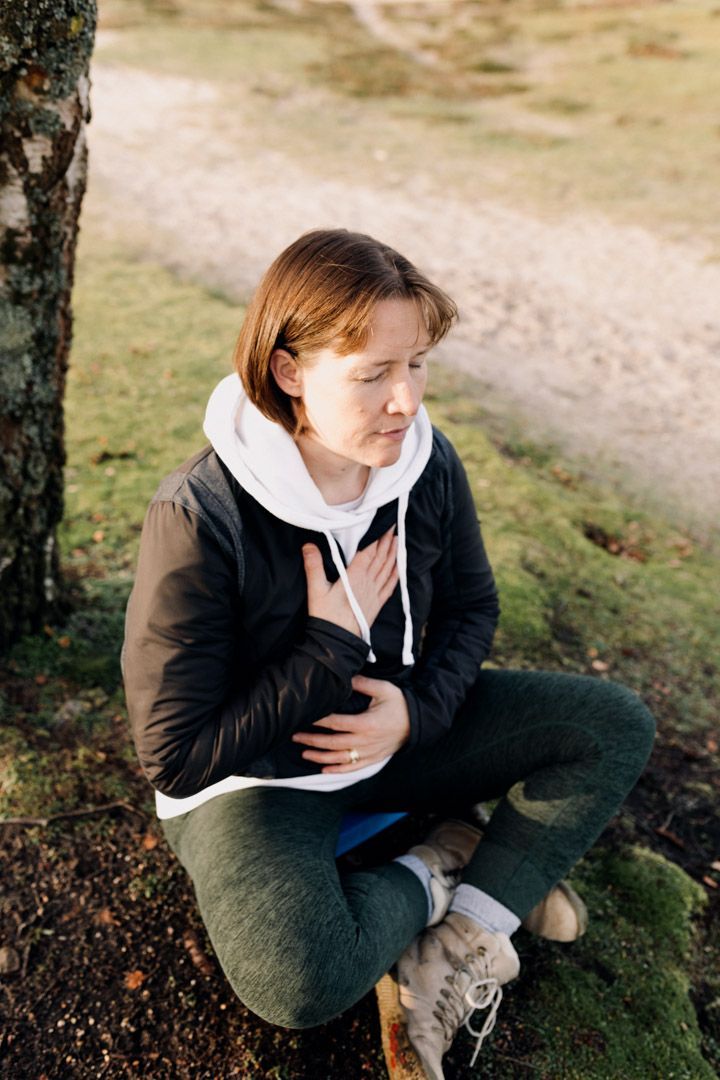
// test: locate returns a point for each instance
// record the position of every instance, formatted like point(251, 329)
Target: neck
point(337, 478)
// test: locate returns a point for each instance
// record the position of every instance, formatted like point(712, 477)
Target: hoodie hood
point(265, 460)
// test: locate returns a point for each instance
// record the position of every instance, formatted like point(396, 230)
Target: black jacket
point(222, 663)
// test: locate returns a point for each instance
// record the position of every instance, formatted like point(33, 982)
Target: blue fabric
point(357, 828)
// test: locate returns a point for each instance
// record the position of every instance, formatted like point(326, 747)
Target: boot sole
point(401, 1061)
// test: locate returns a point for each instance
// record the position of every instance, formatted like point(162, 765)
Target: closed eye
point(374, 378)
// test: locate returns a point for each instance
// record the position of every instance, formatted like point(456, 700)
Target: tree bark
point(45, 48)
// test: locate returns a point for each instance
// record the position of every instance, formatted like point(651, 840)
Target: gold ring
point(353, 756)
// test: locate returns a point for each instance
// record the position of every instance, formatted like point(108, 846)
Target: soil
point(115, 977)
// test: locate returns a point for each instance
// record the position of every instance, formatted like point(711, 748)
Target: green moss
point(615, 1003)
point(620, 1006)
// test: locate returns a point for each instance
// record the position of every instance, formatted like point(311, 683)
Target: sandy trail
point(604, 337)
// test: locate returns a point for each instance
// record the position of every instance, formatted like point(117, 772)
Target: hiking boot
point(447, 973)
point(445, 851)
point(560, 916)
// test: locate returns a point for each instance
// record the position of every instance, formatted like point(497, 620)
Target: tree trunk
point(45, 48)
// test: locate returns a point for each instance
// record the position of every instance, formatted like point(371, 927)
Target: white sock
point(484, 910)
point(422, 873)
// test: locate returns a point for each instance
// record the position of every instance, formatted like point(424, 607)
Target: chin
point(386, 457)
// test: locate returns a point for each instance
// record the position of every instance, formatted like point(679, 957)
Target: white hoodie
point(265, 460)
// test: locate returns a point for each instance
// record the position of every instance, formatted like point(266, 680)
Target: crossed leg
point(300, 943)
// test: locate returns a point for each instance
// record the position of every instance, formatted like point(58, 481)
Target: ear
point(287, 372)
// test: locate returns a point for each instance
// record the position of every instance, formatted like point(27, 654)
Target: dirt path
point(604, 337)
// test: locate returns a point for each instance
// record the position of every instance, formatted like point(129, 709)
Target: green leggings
point(300, 943)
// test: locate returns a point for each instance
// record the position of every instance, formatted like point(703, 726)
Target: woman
point(312, 608)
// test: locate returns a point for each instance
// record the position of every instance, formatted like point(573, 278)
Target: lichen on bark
point(45, 49)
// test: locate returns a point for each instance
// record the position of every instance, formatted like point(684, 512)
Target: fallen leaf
point(149, 841)
point(64, 642)
point(600, 665)
point(711, 882)
point(105, 917)
point(98, 536)
point(41, 679)
point(134, 979)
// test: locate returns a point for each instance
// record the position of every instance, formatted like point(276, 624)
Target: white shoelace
point(452, 1007)
point(490, 997)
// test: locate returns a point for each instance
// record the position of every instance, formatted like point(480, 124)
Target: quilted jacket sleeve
point(462, 619)
point(191, 724)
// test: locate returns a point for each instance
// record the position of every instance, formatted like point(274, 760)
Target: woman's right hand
point(373, 576)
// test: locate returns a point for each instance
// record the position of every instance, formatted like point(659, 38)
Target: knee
point(297, 1016)
point(627, 724)
point(299, 1003)
point(296, 1013)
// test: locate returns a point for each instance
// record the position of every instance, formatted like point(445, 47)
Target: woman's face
point(359, 407)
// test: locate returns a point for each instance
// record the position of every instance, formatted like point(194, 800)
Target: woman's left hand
point(375, 734)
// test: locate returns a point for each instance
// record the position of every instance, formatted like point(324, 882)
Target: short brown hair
point(321, 291)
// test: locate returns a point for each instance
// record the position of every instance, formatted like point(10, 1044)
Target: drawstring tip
point(372, 658)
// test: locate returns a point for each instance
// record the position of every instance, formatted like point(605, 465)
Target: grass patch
point(590, 583)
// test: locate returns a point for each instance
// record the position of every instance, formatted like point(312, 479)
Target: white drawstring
point(407, 653)
point(401, 558)
point(356, 609)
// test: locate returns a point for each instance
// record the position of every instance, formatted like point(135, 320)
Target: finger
point(334, 757)
point(385, 551)
point(317, 583)
point(345, 737)
point(369, 554)
point(341, 722)
point(325, 742)
point(354, 767)
point(367, 685)
point(389, 573)
point(385, 542)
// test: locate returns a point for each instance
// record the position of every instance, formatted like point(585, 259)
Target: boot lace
point(490, 997)
point(456, 1008)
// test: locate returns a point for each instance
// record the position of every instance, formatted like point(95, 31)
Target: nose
point(406, 398)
